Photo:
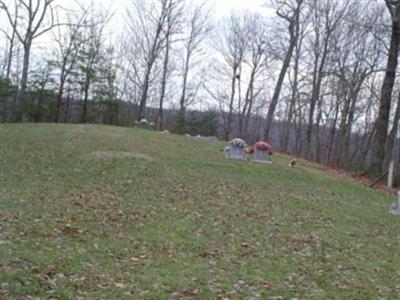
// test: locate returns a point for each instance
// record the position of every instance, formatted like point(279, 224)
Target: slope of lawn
point(102, 212)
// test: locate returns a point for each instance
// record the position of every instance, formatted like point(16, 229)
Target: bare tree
point(357, 59)
point(90, 55)
point(35, 18)
point(11, 42)
point(198, 28)
point(295, 79)
point(256, 62)
point(290, 12)
point(68, 46)
point(146, 22)
point(327, 16)
point(173, 22)
point(232, 45)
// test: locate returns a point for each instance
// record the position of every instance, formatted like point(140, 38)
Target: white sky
point(219, 8)
point(222, 7)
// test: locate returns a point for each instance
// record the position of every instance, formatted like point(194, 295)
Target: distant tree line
point(317, 80)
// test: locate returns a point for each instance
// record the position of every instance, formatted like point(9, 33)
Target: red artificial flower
point(270, 152)
point(250, 150)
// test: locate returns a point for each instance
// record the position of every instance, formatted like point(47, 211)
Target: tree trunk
point(151, 59)
point(299, 136)
point(163, 83)
point(145, 90)
point(294, 34)
point(382, 121)
point(318, 145)
point(353, 97)
point(59, 100)
point(249, 106)
point(60, 91)
point(244, 115)
point(21, 94)
point(286, 132)
point(316, 90)
point(85, 101)
point(67, 108)
point(10, 55)
point(332, 134)
point(228, 126)
point(278, 87)
point(180, 120)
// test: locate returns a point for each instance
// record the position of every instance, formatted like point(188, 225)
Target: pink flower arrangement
point(261, 145)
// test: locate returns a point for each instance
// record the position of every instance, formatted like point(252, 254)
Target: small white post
point(398, 202)
point(395, 207)
point(390, 175)
point(395, 152)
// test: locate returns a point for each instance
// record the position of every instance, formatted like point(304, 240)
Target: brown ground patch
point(109, 155)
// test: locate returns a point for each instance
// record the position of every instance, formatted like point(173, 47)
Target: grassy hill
point(100, 212)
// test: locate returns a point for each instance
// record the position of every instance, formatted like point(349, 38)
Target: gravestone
point(261, 156)
point(144, 124)
point(262, 152)
point(236, 149)
point(209, 139)
point(236, 152)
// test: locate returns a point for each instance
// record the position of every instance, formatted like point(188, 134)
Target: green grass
point(100, 212)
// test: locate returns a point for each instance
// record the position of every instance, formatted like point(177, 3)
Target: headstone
point(236, 149)
point(236, 152)
point(261, 156)
point(210, 139)
point(394, 209)
point(262, 153)
point(144, 124)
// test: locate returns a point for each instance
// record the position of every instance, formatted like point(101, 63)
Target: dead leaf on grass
point(119, 285)
point(267, 284)
point(69, 230)
point(185, 293)
point(8, 270)
point(138, 258)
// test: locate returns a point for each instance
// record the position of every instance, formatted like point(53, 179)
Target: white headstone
point(236, 152)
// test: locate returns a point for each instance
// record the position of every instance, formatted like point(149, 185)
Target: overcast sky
point(219, 8)
point(222, 7)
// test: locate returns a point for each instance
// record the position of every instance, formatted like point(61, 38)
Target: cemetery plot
point(105, 212)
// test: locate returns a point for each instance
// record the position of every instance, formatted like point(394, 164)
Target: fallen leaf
point(119, 285)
